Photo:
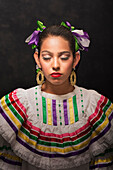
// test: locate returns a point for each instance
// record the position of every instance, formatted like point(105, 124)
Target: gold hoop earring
point(40, 77)
point(73, 78)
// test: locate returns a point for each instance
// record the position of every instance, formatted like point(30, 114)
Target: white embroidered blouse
point(39, 130)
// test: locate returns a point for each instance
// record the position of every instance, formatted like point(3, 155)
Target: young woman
point(56, 125)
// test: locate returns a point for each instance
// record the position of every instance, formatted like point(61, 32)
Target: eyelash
point(66, 58)
point(46, 58)
point(62, 58)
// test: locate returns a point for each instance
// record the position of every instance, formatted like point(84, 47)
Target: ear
point(37, 59)
point(76, 59)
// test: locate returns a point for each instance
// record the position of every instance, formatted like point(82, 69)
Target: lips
point(56, 74)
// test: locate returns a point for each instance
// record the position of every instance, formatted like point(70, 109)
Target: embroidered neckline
point(57, 97)
point(58, 109)
point(62, 111)
point(36, 99)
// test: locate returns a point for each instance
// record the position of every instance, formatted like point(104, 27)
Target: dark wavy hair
point(57, 30)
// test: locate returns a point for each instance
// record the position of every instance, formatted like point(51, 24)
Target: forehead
point(55, 43)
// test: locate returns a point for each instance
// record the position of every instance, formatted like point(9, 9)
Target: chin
point(57, 83)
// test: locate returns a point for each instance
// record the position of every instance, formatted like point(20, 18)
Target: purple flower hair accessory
point(82, 40)
point(33, 39)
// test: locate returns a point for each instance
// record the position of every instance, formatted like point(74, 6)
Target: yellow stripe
point(51, 149)
point(7, 110)
point(61, 150)
point(103, 125)
point(109, 110)
point(26, 138)
point(71, 111)
point(106, 160)
point(68, 149)
point(15, 158)
point(49, 111)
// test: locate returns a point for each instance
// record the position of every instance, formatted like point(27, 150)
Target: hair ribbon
point(33, 39)
point(82, 40)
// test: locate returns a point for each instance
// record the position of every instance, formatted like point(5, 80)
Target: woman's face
point(56, 60)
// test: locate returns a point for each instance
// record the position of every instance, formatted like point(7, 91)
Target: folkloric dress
point(39, 130)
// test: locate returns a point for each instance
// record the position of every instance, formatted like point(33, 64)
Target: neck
point(57, 89)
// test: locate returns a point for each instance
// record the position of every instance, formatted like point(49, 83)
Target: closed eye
point(64, 55)
point(64, 58)
point(46, 58)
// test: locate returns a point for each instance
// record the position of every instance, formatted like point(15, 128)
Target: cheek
point(45, 68)
point(44, 65)
point(68, 67)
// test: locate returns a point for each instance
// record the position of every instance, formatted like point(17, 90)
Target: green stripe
point(64, 144)
point(106, 151)
point(103, 115)
point(28, 134)
point(5, 147)
point(75, 108)
point(61, 145)
point(9, 104)
point(68, 143)
point(97, 124)
point(44, 110)
point(84, 137)
point(107, 106)
point(45, 120)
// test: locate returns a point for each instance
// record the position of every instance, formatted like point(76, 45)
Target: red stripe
point(43, 136)
point(73, 136)
point(66, 139)
point(17, 108)
point(29, 128)
point(62, 138)
point(98, 114)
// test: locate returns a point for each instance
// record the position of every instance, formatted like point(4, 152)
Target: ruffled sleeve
point(45, 146)
point(101, 125)
point(12, 116)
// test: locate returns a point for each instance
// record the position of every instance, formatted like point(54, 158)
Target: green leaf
point(33, 46)
point(64, 24)
point(76, 44)
point(40, 26)
point(37, 70)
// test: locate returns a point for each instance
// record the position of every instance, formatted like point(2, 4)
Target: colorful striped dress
point(39, 130)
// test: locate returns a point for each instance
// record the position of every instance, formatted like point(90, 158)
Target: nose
point(55, 64)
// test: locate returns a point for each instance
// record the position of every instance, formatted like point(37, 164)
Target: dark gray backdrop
point(18, 20)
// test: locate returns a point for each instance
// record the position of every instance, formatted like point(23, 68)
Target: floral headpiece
point(82, 40)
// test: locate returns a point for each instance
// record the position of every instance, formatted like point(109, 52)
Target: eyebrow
point(64, 52)
point(60, 53)
point(45, 51)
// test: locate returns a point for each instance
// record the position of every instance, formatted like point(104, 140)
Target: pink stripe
point(65, 134)
point(97, 108)
point(78, 131)
point(18, 102)
point(56, 135)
